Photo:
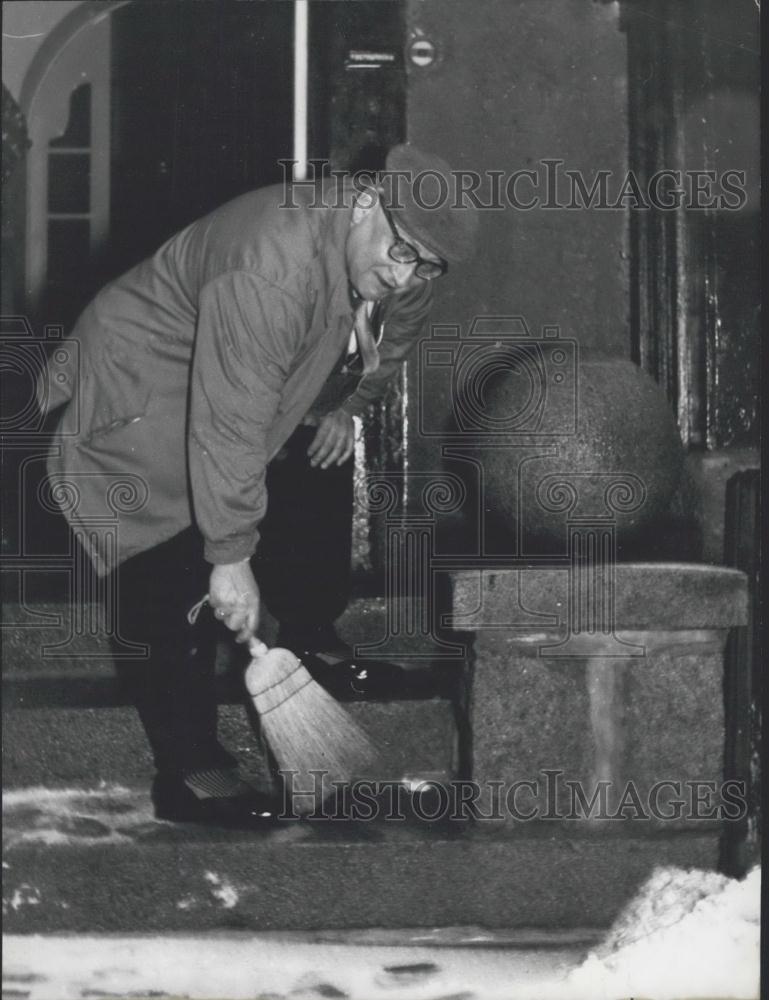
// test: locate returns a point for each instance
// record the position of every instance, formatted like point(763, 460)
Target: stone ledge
point(646, 596)
point(296, 879)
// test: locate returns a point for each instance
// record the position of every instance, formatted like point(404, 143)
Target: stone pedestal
point(636, 719)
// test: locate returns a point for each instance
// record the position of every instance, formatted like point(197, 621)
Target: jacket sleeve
point(248, 332)
point(405, 319)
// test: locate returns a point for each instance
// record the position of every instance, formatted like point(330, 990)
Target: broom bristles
point(306, 729)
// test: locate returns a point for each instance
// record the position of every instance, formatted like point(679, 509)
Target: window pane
point(78, 131)
point(68, 250)
point(69, 182)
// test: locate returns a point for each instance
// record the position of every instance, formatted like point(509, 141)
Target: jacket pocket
point(96, 434)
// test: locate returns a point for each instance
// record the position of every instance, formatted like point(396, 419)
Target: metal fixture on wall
point(422, 52)
point(741, 845)
point(301, 60)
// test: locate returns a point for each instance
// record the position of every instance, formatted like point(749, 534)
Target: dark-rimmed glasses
point(403, 252)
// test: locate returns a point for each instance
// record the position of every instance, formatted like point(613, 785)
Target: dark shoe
point(175, 800)
point(352, 678)
point(332, 663)
point(314, 639)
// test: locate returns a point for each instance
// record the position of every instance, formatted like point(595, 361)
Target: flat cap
point(420, 191)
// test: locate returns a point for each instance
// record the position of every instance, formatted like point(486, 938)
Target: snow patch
point(686, 933)
point(51, 816)
point(25, 895)
point(38, 795)
point(222, 890)
point(243, 966)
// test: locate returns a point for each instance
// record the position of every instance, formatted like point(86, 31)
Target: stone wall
point(515, 83)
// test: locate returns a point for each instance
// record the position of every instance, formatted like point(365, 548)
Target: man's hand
point(234, 597)
point(334, 440)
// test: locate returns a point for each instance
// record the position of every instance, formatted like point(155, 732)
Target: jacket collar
point(333, 241)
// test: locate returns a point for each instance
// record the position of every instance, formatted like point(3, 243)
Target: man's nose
point(403, 274)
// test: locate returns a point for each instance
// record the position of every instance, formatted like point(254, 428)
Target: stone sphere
point(610, 448)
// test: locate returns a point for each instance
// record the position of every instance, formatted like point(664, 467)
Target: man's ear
point(365, 203)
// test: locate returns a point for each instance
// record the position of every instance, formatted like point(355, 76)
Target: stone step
point(97, 862)
point(95, 685)
point(59, 746)
point(67, 721)
point(57, 636)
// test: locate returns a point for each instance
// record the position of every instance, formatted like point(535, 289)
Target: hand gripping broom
point(305, 728)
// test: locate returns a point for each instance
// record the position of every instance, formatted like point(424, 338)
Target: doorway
point(155, 115)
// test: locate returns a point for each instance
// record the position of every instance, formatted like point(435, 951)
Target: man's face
point(372, 272)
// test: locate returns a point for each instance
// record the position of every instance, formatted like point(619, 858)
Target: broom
point(305, 728)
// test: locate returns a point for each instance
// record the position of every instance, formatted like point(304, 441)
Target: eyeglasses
point(404, 253)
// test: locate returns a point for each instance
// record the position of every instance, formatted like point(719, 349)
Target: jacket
point(195, 367)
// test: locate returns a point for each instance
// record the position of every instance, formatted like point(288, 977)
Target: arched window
point(66, 99)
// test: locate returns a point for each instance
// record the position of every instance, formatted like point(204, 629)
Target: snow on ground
point(249, 967)
point(110, 813)
point(686, 934)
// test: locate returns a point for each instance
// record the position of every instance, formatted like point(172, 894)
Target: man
point(196, 368)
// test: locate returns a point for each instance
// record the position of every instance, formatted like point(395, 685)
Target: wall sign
point(422, 52)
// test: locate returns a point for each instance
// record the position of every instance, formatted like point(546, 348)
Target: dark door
point(202, 111)
point(203, 104)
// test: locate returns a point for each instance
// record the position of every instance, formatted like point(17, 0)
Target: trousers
point(302, 566)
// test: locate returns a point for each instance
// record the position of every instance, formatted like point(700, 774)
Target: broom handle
point(256, 647)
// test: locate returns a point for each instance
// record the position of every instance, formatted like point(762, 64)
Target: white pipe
point(301, 52)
